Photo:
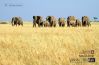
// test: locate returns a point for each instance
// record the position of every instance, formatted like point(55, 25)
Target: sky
point(58, 8)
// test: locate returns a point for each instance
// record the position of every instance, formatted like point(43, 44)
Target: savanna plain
point(47, 46)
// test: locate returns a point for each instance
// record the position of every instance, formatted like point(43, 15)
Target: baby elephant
point(85, 21)
point(78, 22)
point(61, 22)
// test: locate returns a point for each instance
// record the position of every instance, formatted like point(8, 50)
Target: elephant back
point(85, 18)
point(72, 19)
point(61, 20)
point(39, 17)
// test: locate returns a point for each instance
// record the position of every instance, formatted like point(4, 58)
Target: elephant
point(85, 21)
point(78, 22)
point(52, 21)
point(46, 24)
point(38, 20)
point(61, 22)
point(71, 21)
point(16, 21)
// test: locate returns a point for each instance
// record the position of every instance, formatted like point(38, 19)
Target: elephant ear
point(12, 20)
point(34, 17)
point(47, 17)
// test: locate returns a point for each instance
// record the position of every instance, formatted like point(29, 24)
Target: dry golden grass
point(46, 46)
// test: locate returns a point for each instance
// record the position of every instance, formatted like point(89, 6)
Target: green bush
point(3, 23)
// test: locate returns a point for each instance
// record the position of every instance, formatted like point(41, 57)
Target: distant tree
point(95, 19)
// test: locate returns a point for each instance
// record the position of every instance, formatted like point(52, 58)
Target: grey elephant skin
point(16, 21)
point(85, 21)
point(38, 20)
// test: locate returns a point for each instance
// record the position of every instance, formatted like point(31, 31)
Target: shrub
point(3, 23)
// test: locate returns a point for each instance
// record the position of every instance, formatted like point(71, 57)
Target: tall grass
point(46, 46)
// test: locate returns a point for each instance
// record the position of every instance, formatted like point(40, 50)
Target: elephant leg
point(34, 24)
point(54, 25)
point(44, 25)
point(60, 24)
point(76, 24)
point(68, 24)
point(38, 24)
point(41, 24)
point(16, 24)
point(12, 24)
point(22, 24)
point(63, 24)
point(84, 23)
point(87, 24)
point(51, 24)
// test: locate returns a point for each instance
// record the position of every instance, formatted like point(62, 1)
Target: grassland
point(47, 46)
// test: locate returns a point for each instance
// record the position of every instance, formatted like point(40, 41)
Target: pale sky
point(59, 8)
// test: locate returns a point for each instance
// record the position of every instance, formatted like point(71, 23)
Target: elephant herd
point(51, 21)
